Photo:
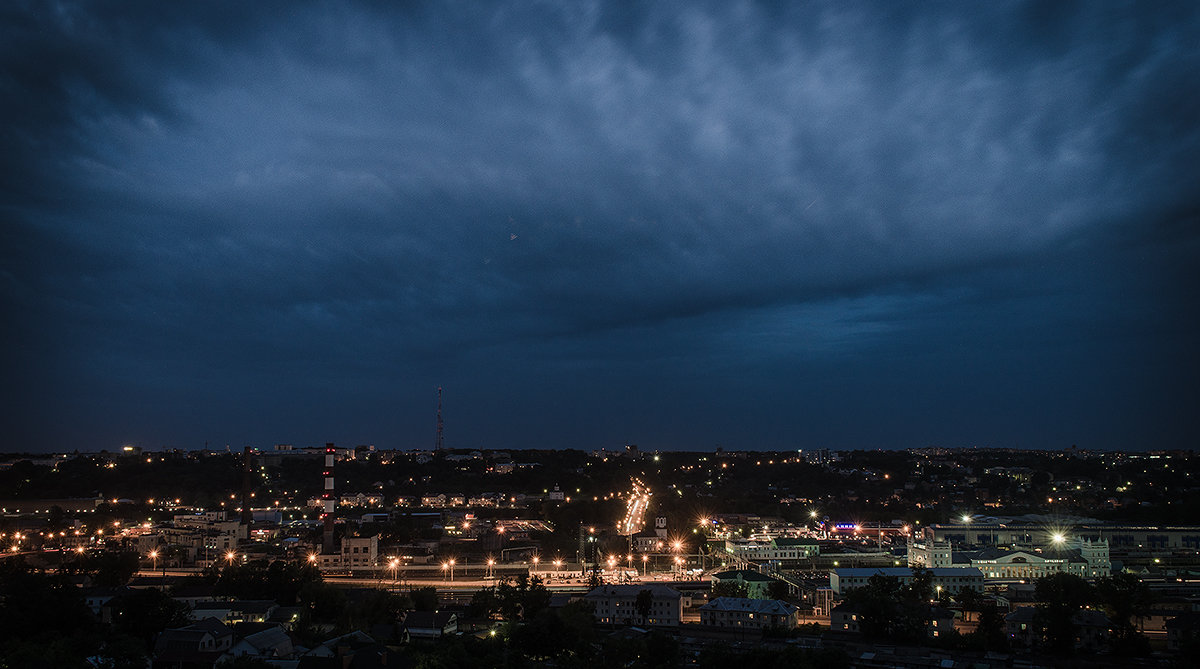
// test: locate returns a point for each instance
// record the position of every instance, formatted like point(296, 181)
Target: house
point(844, 618)
point(269, 643)
point(1092, 628)
point(235, 611)
point(100, 601)
point(617, 605)
point(200, 644)
point(745, 613)
point(758, 586)
point(430, 624)
point(847, 617)
point(355, 650)
point(1183, 631)
point(1020, 627)
point(941, 622)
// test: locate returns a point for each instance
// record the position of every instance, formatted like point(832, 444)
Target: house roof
point(274, 637)
point(210, 625)
point(788, 543)
point(744, 605)
point(743, 575)
point(428, 619)
point(1021, 614)
point(657, 590)
point(940, 572)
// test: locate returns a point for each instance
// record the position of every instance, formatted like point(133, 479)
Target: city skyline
point(674, 225)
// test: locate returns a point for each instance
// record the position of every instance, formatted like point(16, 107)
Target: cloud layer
point(677, 225)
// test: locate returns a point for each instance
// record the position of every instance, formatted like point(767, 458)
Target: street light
point(644, 559)
point(557, 564)
point(393, 565)
point(154, 564)
point(451, 570)
point(230, 555)
point(491, 563)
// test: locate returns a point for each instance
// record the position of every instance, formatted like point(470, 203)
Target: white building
point(743, 613)
point(617, 604)
point(777, 550)
point(945, 579)
point(1081, 557)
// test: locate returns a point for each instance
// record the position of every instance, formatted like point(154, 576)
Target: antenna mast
point(439, 444)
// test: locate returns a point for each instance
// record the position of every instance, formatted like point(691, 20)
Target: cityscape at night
point(599, 334)
point(284, 555)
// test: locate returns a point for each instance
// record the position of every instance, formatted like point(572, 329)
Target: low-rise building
point(950, 580)
point(745, 613)
point(781, 551)
point(758, 586)
point(199, 644)
point(430, 624)
point(618, 605)
point(847, 617)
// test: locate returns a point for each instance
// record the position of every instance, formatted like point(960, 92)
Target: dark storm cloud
point(270, 221)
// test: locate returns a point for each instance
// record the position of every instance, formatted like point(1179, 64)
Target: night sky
point(680, 225)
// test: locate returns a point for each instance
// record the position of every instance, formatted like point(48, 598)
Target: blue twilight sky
point(681, 225)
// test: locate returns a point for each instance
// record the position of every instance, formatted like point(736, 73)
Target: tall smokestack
point(328, 501)
point(247, 472)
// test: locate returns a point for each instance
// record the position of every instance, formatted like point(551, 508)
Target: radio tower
point(438, 445)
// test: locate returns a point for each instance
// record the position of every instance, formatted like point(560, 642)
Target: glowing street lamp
point(451, 570)
point(154, 558)
point(491, 563)
point(557, 565)
point(644, 559)
point(393, 564)
point(535, 560)
point(1058, 538)
point(230, 555)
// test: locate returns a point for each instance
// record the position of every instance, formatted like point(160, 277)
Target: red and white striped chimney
point(328, 501)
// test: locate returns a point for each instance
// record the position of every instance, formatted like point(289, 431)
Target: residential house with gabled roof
point(200, 644)
point(430, 624)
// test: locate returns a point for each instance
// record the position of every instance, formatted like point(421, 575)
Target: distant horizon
point(235, 450)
